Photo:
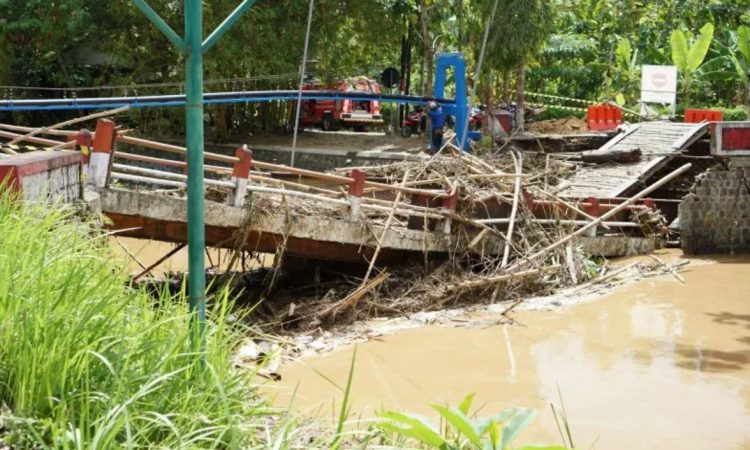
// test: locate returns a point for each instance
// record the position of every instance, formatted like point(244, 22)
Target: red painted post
point(101, 155)
point(241, 174)
point(356, 189)
point(528, 197)
point(83, 144)
point(592, 207)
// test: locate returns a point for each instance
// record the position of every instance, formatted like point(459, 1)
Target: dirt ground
point(569, 125)
point(345, 140)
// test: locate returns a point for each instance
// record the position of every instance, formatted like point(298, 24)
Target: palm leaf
point(700, 47)
point(679, 50)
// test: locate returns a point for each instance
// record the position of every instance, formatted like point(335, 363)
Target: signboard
point(390, 77)
point(731, 139)
point(659, 85)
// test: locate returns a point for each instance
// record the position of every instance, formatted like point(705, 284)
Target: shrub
point(87, 362)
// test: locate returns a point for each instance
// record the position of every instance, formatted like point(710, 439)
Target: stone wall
point(715, 215)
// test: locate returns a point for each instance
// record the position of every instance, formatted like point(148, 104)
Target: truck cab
point(332, 115)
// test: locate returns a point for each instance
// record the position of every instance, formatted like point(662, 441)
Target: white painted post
point(101, 155)
point(356, 189)
point(241, 174)
point(449, 204)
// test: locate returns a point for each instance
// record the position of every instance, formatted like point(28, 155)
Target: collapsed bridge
point(394, 211)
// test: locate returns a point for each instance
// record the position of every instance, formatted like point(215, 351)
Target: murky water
point(148, 252)
point(657, 364)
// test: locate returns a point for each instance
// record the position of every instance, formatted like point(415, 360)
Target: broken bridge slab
point(164, 218)
point(659, 143)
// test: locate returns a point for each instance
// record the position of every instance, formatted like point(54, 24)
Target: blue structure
point(459, 109)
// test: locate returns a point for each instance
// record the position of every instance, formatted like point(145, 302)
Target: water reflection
point(655, 365)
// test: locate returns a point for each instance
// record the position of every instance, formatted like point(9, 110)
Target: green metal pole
point(193, 49)
point(195, 194)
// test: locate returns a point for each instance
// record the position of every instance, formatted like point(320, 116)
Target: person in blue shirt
point(437, 122)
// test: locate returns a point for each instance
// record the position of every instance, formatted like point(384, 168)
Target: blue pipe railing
point(160, 101)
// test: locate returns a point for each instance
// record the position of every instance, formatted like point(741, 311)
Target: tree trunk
point(506, 87)
point(612, 156)
point(487, 90)
point(427, 69)
point(520, 100)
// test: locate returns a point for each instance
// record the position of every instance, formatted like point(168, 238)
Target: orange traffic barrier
point(603, 117)
point(704, 115)
point(700, 115)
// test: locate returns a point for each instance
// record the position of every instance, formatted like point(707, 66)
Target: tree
point(735, 61)
point(520, 29)
point(688, 54)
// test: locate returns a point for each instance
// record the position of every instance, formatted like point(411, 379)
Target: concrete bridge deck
point(164, 218)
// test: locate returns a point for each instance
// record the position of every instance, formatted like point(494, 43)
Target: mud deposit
point(656, 364)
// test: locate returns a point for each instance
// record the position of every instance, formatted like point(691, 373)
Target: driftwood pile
point(538, 256)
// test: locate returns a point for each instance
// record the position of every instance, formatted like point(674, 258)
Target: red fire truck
point(331, 115)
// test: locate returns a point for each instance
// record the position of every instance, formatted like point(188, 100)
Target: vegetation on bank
point(584, 49)
point(86, 362)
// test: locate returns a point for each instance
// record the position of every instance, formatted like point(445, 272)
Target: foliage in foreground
point(87, 363)
point(459, 431)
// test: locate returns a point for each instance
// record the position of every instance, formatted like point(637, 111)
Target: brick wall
point(715, 215)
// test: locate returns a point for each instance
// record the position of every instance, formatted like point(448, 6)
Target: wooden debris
point(669, 268)
point(612, 156)
point(352, 299)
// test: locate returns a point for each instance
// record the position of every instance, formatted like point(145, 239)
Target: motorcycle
point(478, 118)
point(414, 122)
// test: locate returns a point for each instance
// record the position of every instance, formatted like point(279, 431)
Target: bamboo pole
point(168, 162)
point(518, 163)
point(148, 180)
point(33, 140)
point(173, 148)
point(168, 175)
point(571, 206)
point(559, 222)
point(129, 253)
point(668, 268)
point(274, 167)
point(23, 129)
point(70, 122)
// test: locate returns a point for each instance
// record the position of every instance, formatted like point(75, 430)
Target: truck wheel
point(328, 123)
point(406, 131)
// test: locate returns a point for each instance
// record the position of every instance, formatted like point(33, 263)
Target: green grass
point(86, 362)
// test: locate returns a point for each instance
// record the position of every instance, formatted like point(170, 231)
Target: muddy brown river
point(656, 364)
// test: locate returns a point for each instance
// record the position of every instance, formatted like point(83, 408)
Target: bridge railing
point(248, 175)
point(240, 174)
